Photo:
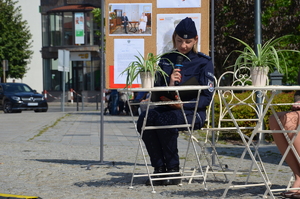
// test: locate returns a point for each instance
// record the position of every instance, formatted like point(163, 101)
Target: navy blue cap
point(186, 29)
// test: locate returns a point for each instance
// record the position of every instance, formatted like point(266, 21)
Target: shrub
point(246, 112)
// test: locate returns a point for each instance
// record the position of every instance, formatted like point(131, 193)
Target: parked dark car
point(18, 97)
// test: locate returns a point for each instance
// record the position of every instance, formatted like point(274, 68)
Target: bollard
point(77, 102)
point(71, 90)
point(61, 103)
point(82, 102)
point(97, 100)
point(276, 78)
point(45, 94)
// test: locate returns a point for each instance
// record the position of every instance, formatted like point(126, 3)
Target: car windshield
point(17, 88)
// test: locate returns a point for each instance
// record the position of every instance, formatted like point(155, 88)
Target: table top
point(166, 88)
point(250, 87)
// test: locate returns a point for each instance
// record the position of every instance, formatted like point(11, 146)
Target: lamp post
point(102, 83)
point(102, 66)
point(257, 40)
point(212, 54)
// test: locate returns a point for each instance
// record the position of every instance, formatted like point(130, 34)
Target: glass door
point(77, 78)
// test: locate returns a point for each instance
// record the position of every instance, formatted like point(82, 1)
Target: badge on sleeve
point(211, 86)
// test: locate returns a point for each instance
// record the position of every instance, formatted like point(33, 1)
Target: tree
point(15, 39)
point(236, 18)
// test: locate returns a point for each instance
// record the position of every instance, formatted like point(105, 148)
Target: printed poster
point(138, 16)
point(179, 4)
point(79, 28)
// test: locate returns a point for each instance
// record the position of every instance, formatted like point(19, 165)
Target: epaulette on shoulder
point(200, 54)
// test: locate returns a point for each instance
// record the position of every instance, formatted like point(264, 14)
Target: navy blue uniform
point(125, 22)
point(161, 144)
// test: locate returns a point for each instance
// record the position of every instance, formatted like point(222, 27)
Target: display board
point(159, 21)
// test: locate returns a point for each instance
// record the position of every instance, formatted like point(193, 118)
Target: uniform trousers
point(161, 144)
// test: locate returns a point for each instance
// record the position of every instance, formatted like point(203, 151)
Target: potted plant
point(268, 57)
point(147, 68)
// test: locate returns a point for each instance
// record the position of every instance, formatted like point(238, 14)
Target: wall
point(30, 13)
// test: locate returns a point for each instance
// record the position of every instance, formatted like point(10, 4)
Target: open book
point(184, 95)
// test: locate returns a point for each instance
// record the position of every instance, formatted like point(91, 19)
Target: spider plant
point(268, 55)
point(149, 63)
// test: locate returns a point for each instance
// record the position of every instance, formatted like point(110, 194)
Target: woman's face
point(185, 45)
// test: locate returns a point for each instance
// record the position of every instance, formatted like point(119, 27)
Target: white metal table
point(188, 126)
point(263, 108)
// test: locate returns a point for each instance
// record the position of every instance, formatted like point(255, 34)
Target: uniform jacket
point(125, 19)
point(199, 66)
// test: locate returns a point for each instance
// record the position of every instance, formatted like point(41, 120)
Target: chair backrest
point(209, 113)
point(209, 108)
point(240, 102)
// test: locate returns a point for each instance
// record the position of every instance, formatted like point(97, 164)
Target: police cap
point(186, 29)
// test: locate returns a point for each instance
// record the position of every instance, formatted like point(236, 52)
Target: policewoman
point(161, 144)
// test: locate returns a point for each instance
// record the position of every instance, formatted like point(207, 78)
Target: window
point(68, 28)
point(58, 29)
point(45, 30)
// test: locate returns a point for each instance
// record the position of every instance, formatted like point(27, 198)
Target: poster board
point(121, 46)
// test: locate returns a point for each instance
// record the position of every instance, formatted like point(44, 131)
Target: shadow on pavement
point(86, 162)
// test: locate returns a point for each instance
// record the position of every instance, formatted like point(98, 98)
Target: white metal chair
point(241, 77)
point(184, 172)
point(204, 152)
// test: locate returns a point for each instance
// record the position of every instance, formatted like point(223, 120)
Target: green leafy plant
point(112, 15)
point(149, 63)
point(269, 55)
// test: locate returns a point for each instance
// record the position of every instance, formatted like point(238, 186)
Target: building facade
point(69, 25)
point(34, 75)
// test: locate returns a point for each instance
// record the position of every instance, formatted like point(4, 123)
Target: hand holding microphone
point(178, 65)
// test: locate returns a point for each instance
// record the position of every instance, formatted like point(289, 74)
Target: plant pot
point(259, 76)
point(147, 80)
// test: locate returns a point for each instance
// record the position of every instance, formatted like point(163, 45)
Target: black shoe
point(157, 182)
point(173, 181)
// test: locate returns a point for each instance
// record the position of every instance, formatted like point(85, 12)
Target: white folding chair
point(184, 174)
point(204, 152)
point(241, 77)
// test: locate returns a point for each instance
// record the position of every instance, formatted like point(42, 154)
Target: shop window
point(59, 29)
point(68, 28)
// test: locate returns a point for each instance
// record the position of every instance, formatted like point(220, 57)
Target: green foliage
point(149, 63)
point(245, 112)
point(143, 64)
point(15, 39)
point(97, 18)
point(270, 55)
point(236, 18)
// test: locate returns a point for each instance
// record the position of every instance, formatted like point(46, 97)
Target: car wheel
point(7, 107)
point(37, 110)
point(44, 110)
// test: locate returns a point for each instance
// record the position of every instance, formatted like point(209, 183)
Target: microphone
point(178, 65)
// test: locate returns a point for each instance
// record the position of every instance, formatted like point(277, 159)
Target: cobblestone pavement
point(56, 155)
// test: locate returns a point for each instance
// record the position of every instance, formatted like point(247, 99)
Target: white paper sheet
point(178, 4)
point(124, 53)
